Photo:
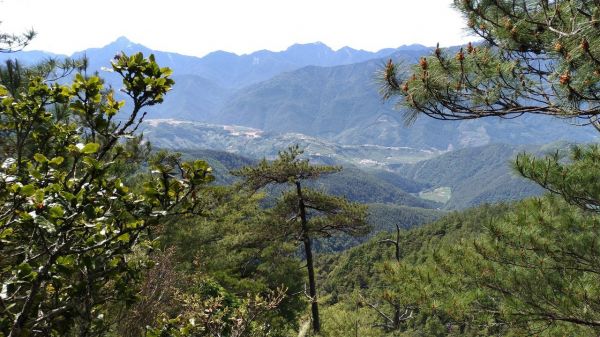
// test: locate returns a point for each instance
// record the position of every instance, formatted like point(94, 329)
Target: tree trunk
point(396, 322)
point(309, 262)
point(29, 305)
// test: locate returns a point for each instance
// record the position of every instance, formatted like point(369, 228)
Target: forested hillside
point(476, 175)
point(360, 277)
point(388, 200)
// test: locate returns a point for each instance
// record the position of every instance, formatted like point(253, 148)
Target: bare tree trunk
point(396, 319)
point(309, 262)
point(396, 322)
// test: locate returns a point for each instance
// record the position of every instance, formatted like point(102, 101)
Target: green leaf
point(67, 195)
point(27, 190)
point(124, 237)
point(89, 211)
point(35, 173)
point(68, 260)
point(134, 224)
point(90, 148)
point(64, 264)
point(45, 224)
point(5, 233)
point(24, 268)
point(40, 158)
point(56, 161)
point(56, 211)
point(39, 196)
point(114, 262)
point(91, 162)
point(25, 271)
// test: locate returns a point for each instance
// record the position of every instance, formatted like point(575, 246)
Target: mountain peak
point(122, 39)
point(122, 43)
point(347, 49)
point(414, 46)
point(317, 45)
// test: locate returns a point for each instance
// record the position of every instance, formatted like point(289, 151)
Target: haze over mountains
point(313, 90)
point(327, 101)
point(227, 69)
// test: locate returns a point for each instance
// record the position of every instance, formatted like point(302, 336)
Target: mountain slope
point(192, 98)
point(359, 266)
point(475, 175)
point(461, 178)
point(387, 204)
point(319, 92)
point(352, 183)
point(363, 187)
point(382, 218)
point(255, 143)
point(342, 104)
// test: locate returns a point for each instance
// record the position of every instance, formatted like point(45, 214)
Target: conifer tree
point(537, 57)
point(14, 42)
point(303, 214)
point(535, 269)
point(232, 244)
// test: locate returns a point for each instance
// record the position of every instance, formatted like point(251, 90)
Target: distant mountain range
point(312, 90)
point(327, 101)
point(226, 69)
point(342, 104)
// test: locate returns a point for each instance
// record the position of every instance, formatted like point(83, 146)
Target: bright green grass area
point(440, 194)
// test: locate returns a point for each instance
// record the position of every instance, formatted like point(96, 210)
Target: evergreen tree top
point(287, 168)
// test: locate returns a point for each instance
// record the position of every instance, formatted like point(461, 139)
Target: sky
point(197, 27)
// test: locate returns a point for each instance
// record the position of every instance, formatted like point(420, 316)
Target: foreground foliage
point(83, 201)
point(532, 270)
point(69, 224)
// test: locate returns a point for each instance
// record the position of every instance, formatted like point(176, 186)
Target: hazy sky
point(241, 26)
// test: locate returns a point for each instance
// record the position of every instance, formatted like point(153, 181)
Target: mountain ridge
point(227, 69)
point(299, 91)
point(342, 104)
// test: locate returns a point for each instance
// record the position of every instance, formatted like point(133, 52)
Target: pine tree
point(537, 57)
point(301, 213)
point(533, 270)
point(13, 42)
point(232, 244)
